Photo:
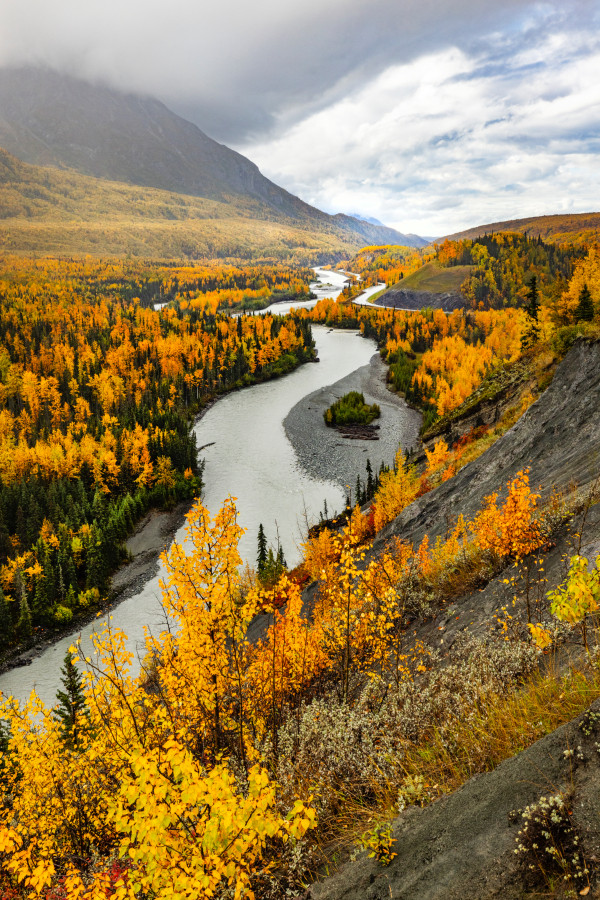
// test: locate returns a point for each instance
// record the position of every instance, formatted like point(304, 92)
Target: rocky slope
point(400, 298)
point(558, 438)
point(462, 846)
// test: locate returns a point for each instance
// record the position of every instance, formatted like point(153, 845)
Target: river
point(249, 457)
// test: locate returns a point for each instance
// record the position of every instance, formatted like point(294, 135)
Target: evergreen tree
point(270, 565)
point(261, 558)
point(281, 563)
point(95, 567)
point(4, 756)
point(533, 299)
point(24, 626)
point(531, 329)
point(370, 484)
point(71, 598)
point(5, 622)
point(71, 712)
point(585, 307)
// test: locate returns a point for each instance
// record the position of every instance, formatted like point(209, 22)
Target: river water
point(249, 458)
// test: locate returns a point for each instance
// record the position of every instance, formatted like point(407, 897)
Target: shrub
point(351, 409)
point(63, 615)
point(548, 842)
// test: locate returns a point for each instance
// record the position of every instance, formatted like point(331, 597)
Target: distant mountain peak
point(371, 219)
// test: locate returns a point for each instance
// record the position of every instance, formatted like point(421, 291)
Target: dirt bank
point(402, 298)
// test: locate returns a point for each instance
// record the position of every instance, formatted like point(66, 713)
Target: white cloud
point(450, 140)
point(428, 115)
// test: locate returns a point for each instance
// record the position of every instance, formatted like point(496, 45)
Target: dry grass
point(502, 727)
point(432, 277)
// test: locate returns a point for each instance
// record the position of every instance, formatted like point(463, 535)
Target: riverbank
point(255, 464)
point(324, 453)
point(152, 536)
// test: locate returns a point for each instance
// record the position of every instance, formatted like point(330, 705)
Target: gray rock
point(558, 438)
point(462, 846)
point(404, 298)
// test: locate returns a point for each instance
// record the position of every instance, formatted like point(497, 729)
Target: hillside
point(50, 119)
point(429, 286)
point(463, 845)
point(52, 211)
point(576, 228)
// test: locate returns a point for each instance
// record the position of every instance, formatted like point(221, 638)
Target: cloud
point(428, 115)
point(238, 68)
point(506, 128)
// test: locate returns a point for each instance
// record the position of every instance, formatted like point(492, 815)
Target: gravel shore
point(325, 454)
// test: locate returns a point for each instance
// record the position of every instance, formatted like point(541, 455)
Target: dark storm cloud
point(244, 69)
point(429, 115)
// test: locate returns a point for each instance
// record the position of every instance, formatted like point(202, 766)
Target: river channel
point(248, 456)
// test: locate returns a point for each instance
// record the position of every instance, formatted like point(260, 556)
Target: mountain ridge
point(49, 119)
point(557, 227)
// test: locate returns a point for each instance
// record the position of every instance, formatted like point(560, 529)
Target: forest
point(98, 393)
point(238, 766)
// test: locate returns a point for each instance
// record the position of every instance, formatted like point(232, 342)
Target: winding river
point(248, 456)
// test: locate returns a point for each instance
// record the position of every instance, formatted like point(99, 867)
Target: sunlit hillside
point(578, 228)
point(49, 211)
point(432, 277)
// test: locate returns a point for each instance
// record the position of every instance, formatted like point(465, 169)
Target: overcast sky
point(431, 116)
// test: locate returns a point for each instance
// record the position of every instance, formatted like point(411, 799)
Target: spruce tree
point(370, 486)
point(95, 567)
point(24, 625)
point(5, 622)
point(531, 330)
point(281, 563)
point(585, 307)
point(261, 558)
point(71, 712)
point(4, 745)
point(533, 299)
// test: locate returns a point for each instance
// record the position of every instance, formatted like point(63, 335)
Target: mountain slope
point(53, 120)
point(52, 211)
point(559, 229)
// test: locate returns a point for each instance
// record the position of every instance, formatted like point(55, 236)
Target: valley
point(299, 512)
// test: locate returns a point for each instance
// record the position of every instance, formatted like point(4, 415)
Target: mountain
point(560, 229)
point(410, 240)
point(50, 119)
point(370, 219)
point(53, 211)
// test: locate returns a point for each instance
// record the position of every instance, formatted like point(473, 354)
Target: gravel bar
point(324, 453)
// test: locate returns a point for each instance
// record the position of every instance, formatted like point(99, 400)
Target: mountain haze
point(50, 119)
